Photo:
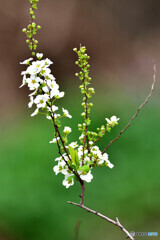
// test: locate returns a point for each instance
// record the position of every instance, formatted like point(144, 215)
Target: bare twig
point(116, 223)
point(136, 114)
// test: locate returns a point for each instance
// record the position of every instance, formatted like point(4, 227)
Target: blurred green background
point(123, 41)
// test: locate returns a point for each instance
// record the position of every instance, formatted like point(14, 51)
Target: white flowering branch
point(116, 223)
point(60, 153)
point(137, 112)
point(76, 160)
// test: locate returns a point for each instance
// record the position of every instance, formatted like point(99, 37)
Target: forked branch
point(116, 223)
point(138, 110)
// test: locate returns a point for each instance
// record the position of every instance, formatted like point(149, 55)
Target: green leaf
point(85, 168)
point(74, 156)
point(71, 177)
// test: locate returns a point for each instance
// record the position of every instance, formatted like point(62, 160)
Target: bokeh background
point(123, 39)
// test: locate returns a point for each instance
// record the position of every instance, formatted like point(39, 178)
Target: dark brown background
point(122, 37)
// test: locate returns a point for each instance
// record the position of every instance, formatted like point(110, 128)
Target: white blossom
point(32, 94)
point(60, 95)
point(66, 113)
point(39, 55)
point(50, 77)
point(48, 61)
point(85, 176)
point(23, 81)
point(56, 115)
point(73, 144)
point(54, 92)
point(45, 71)
point(30, 104)
point(67, 183)
point(59, 159)
point(35, 112)
point(53, 108)
point(33, 82)
point(41, 100)
point(54, 140)
point(52, 84)
point(113, 119)
point(48, 117)
point(38, 65)
point(31, 70)
point(26, 62)
point(45, 89)
point(60, 167)
point(109, 164)
point(67, 130)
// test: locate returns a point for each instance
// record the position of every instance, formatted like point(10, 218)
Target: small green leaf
point(85, 168)
point(74, 156)
point(71, 177)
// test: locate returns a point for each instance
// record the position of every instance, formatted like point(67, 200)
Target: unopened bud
point(24, 30)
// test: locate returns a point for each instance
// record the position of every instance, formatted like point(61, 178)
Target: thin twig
point(116, 223)
point(136, 114)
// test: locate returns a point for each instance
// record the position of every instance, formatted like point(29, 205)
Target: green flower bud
point(24, 30)
point(34, 47)
point(33, 54)
point(38, 27)
point(33, 24)
point(34, 6)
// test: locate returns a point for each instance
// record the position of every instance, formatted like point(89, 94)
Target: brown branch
point(72, 170)
point(64, 147)
point(138, 110)
point(82, 193)
point(116, 223)
point(59, 148)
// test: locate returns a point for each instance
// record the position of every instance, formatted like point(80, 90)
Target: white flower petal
point(35, 112)
point(26, 61)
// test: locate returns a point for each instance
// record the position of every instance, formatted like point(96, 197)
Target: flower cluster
point(44, 87)
point(81, 161)
point(76, 160)
point(82, 166)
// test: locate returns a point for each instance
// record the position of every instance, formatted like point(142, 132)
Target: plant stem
point(116, 223)
point(82, 193)
point(137, 112)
